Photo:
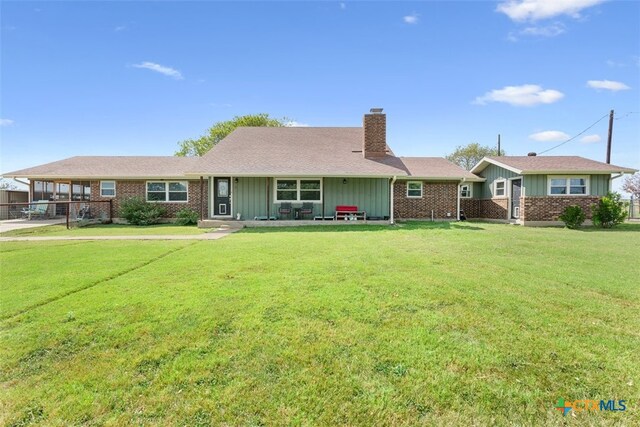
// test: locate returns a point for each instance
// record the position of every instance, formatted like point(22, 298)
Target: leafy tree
point(632, 185)
point(609, 211)
point(469, 155)
point(7, 185)
point(199, 146)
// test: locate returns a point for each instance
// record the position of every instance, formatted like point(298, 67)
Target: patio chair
point(38, 209)
point(306, 209)
point(285, 209)
point(84, 212)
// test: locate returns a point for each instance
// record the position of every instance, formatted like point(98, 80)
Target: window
point(107, 188)
point(568, 185)
point(466, 191)
point(499, 189)
point(414, 189)
point(298, 190)
point(169, 191)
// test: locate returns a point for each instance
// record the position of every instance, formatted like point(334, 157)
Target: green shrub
point(573, 217)
point(187, 216)
point(139, 212)
point(609, 211)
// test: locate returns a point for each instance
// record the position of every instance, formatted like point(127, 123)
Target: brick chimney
point(374, 144)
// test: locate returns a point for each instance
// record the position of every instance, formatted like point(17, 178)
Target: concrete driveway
point(18, 224)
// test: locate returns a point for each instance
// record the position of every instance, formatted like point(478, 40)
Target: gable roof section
point(535, 165)
point(121, 167)
point(437, 168)
point(295, 151)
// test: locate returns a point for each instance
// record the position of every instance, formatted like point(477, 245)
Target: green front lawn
point(105, 230)
point(461, 324)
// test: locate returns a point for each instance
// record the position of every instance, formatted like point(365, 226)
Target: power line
point(627, 114)
point(575, 136)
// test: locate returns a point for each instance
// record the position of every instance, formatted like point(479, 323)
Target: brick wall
point(548, 208)
point(127, 189)
point(375, 135)
point(471, 207)
point(493, 208)
point(441, 197)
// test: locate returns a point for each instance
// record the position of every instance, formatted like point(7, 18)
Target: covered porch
point(297, 200)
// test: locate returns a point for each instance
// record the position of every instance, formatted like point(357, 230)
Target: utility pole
point(609, 137)
point(498, 144)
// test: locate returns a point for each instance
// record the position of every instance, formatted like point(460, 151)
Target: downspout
point(391, 219)
point(458, 211)
point(612, 178)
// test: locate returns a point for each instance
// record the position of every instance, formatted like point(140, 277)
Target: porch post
point(201, 198)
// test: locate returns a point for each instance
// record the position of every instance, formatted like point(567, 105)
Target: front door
point(221, 196)
point(516, 191)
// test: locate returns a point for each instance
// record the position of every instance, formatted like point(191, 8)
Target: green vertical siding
point(599, 185)
point(477, 190)
point(250, 197)
point(492, 173)
point(537, 185)
point(369, 194)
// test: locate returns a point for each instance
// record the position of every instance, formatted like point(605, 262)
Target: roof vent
point(376, 110)
point(532, 154)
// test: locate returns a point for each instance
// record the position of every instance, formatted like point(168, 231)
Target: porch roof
point(111, 167)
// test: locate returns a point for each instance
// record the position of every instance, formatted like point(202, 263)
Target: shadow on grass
point(401, 226)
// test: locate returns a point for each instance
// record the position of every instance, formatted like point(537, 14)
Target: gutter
point(612, 178)
point(391, 218)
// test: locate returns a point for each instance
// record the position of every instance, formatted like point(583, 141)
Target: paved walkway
point(211, 235)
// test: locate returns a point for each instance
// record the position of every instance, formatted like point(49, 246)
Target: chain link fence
point(76, 213)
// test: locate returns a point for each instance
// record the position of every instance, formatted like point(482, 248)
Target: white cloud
point(525, 95)
point(343, 5)
point(119, 28)
point(411, 19)
point(533, 10)
point(614, 64)
point(6, 122)
point(294, 124)
point(608, 85)
point(167, 71)
point(590, 139)
point(552, 30)
point(549, 136)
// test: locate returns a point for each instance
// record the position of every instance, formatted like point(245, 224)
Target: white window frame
point(469, 190)
point(298, 189)
point(102, 189)
point(166, 191)
point(504, 189)
point(421, 189)
point(567, 185)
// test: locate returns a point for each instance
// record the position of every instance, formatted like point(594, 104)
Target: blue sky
point(134, 78)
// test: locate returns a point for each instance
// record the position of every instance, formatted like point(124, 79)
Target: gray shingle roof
point(134, 167)
point(550, 164)
point(300, 151)
point(436, 168)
